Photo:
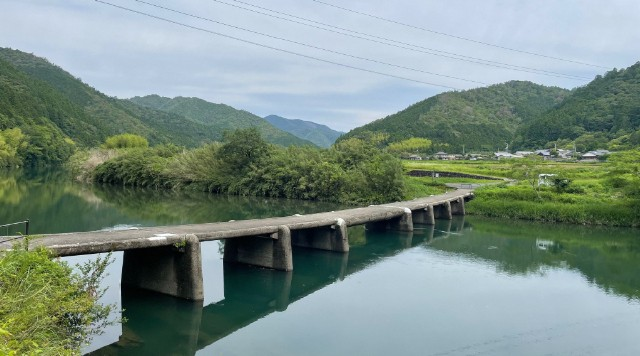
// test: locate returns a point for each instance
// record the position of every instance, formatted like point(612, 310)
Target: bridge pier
point(175, 270)
point(443, 211)
point(330, 238)
point(402, 223)
point(272, 251)
point(424, 216)
point(457, 207)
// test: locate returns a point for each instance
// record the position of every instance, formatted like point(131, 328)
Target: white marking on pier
point(159, 237)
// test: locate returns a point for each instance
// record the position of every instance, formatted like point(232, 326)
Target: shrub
point(45, 308)
point(125, 141)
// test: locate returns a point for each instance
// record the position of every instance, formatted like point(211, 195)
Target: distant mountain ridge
point(219, 117)
point(479, 119)
point(319, 134)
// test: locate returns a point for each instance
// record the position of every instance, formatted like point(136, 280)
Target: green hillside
point(54, 111)
point(604, 113)
point(219, 117)
point(321, 135)
point(480, 119)
point(33, 88)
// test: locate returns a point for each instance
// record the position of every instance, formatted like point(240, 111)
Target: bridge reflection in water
point(251, 293)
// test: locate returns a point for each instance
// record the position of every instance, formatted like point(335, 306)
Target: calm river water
point(471, 286)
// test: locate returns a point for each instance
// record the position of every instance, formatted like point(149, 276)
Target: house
point(445, 156)
point(545, 154)
point(601, 152)
point(524, 153)
point(589, 156)
point(503, 155)
point(415, 158)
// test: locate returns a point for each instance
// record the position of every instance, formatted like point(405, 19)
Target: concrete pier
point(271, 251)
point(424, 216)
point(175, 269)
point(457, 207)
point(443, 211)
point(330, 238)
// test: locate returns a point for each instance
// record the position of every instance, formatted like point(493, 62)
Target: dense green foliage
point(125, 141)
point(46, 308)
point(218, 118)
point(320, 135)
point(603, 114)
point(244, 164)
point(480, 119)
point(410, 146)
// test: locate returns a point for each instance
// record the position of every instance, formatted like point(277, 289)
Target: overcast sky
point(125, 54)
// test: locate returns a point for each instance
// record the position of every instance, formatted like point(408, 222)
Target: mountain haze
point(321, 135)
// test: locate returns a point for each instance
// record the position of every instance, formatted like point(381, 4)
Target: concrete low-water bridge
point(167, 259)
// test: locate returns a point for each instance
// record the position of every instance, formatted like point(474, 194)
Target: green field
point(580, 192)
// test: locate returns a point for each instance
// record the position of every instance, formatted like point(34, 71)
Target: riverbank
point(591, 193)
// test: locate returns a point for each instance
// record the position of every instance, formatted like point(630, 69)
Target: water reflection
point(607, 257)
point(159, 324)
point(54, 204)
point(250, 294)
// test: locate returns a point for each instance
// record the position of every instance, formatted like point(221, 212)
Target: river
point(470, 286)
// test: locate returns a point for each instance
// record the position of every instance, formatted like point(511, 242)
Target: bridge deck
point(79, 243)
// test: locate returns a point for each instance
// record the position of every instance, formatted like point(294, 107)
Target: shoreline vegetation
point(351, 172)
point(354, 171)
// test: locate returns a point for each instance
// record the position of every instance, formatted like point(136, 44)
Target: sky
point(338, 63)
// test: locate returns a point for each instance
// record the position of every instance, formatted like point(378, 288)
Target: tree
point(12, 142)
point(413, 145)
point(125, 141)
point(240, 149)
point(527, 169)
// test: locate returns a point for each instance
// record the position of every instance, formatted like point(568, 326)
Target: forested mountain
point(480, 119)
point(604, 113)
point(321, 135)
point(81, 112)
point(218, 117)
point(53, 111)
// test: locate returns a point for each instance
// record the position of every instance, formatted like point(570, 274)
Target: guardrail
point(6, 226)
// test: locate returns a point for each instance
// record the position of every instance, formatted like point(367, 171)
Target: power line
point(459, 37)
point(273, 48)
point(397, 44)
point(308, 45)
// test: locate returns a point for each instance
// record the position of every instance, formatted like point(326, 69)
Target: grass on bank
point(585, 193)
point(45, 307)
point(522, 202)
